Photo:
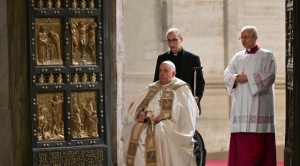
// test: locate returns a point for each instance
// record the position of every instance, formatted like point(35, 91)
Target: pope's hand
point(196, 99)
point(157, 119)
point(141, 118)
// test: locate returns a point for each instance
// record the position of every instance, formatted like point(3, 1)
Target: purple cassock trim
point(252, 50)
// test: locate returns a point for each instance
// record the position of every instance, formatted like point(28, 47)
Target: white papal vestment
point(174, 136)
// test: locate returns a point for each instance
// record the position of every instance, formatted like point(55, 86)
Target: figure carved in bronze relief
point(74, 4)
point(42, 45)
point(82, 27)
point(51, 79)
point(84, 115)
point(59, 79)
point(92, 4)
point(56, 45)
point(50, 121)
point(76, 122)
point(91, 43)
point(48, 41)
point(93, 78)
point(57, 127)
point(91, 119)
point(75, 78)
point(41, 79)
point(83, 41)
point(58, 4)
point(49, 4)
point(84, 78)
point(83, 4)
point(40, 4)
point(74, 41)
point(43, 123)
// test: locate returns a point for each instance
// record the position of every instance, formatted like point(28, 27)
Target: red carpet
point(224, 163)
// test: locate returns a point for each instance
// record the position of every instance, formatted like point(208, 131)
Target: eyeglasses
point(173, 41)
point(245, 37)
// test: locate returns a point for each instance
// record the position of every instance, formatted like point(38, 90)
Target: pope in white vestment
point(164, 134)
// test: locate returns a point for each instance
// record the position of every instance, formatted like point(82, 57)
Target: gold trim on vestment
point(136, 131)
point(156, 87)
point(150, 147)
point(151, 93)
point(166, 103)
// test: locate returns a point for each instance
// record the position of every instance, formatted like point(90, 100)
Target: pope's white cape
point(174, 137)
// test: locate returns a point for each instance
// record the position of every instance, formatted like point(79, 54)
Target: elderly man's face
point(166, 73)
point(248, 40)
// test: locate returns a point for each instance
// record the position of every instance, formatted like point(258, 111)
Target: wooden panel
point(18, 82)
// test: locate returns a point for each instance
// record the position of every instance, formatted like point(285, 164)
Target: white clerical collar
point(175, 54)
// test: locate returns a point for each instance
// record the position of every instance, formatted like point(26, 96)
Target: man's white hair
point(252, 28)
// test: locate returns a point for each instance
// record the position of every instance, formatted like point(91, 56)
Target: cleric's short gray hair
point(174, 30)
point(252, 28)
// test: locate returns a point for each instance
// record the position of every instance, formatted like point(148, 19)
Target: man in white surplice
point(250, 76)
point(161, 123)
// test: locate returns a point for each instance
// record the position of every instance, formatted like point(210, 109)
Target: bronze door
point(68, 64)
point(292, 135)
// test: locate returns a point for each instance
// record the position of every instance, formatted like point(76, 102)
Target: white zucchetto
point(169, 63)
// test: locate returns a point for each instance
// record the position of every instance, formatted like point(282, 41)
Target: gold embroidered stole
point(153, 89)
point(166, 113)
point(150, 147)
point(136, 131)
point(156, 87)
point(167, 97)
point(166, 103)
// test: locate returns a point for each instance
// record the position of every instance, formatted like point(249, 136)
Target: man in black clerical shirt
point(184, 61)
